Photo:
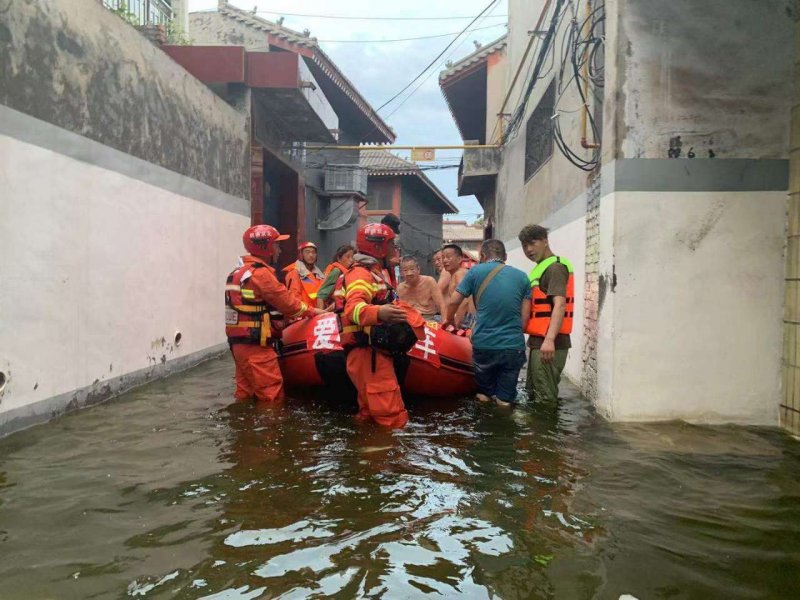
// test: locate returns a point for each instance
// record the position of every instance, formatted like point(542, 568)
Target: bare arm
point(548, 349)
point(466, 304)
point(452, 306)
point(438, 298)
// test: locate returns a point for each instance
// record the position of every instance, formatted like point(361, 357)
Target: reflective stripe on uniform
point(357, 312)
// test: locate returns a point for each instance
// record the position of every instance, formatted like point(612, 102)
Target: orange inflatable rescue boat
point(439, 366)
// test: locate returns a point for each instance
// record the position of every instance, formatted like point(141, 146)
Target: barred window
point(539, 133)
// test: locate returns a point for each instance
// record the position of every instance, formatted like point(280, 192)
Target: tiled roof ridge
point(476, 56)
point(395, 165)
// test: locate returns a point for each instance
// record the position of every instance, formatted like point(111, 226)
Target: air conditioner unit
point(345, 179)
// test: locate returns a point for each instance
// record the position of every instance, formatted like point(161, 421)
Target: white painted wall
point(97, 268)
point(696, 314)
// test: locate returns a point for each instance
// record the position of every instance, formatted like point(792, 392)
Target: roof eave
point(288, 39)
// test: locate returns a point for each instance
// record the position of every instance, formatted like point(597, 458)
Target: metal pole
point(326, 148)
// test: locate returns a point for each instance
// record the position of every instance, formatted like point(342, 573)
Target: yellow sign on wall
point(423, 154)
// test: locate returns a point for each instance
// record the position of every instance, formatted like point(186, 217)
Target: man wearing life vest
point(366, 302)
point(304, 276)
point(552, 308)
point(254, 299)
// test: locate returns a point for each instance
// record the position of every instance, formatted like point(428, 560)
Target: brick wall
point(790, 404)
point(591, 306)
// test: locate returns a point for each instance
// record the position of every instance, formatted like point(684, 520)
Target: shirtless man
point(420, 291)
point(452, 255)
point(443, 276)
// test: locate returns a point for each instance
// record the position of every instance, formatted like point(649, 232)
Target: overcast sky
point(381, 69)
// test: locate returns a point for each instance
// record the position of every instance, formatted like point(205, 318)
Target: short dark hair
point(531, 233)
point(342, 250)
point(494, 249)
point(455, 247)
point(393, 221)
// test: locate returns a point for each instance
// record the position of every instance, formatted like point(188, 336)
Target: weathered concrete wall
point(557, 183)
point(694, 328)
point(214, 29)
point(124, 200)
point(713, 75)
point(497, 81)
point(75, 64)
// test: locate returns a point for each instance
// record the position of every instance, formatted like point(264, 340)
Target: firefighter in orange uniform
point(254, 300)
point(304, 276)
point(374, 327)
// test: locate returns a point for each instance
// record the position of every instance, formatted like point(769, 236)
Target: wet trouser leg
point(543, 378)
point(379, 395)
point(257, 373)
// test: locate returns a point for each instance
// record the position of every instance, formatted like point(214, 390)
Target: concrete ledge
point(23, 417)
point(695, 175)
point(40, 133)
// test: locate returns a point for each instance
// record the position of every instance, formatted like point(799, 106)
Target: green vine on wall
point(123, 13)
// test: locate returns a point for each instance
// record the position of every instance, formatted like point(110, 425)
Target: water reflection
point(174, 492)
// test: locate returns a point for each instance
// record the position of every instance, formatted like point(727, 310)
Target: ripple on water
point(171, 492)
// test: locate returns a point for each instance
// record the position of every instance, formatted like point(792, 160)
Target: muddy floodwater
point(171, 491)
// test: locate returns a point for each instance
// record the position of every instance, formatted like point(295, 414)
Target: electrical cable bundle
point(581, 53)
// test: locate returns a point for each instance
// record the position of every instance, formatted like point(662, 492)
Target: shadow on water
point(171, 491)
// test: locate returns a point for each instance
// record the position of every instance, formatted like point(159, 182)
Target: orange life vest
point(334, 265)
point(382, 293)
point(310, 284)
point(248, 318)
point(542, 305)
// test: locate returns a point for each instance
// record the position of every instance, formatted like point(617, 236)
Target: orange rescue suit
point(306, 285)
point(253, 296)
point(359, 294)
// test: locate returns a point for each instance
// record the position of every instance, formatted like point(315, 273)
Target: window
point(539, 133)
point(380, 195)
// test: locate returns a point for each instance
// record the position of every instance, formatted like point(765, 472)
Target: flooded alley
point(171, 491)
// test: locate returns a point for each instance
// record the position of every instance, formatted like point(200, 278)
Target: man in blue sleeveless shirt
point(501, 295)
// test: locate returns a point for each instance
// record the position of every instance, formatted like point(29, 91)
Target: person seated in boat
point(393, 221)
point(442, 276)
point(502, 295)
point(254, 298)
point(452, 256)
point(342, 261)
point(304, 276)
point(420, 291)
point(374, 328)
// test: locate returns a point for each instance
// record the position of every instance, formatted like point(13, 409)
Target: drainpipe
point(585, 112)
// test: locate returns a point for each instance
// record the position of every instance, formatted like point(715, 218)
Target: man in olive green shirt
point(548, 354)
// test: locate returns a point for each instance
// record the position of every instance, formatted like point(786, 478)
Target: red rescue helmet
point(258, 240)
point(305, 245)
point(373, 239)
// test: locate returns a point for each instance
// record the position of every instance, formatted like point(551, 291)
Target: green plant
point(123, 13)
point(175, 35)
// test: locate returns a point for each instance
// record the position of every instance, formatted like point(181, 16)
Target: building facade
point(302, 106)
point(402, 188)
point(655, 153)
point(467, 237)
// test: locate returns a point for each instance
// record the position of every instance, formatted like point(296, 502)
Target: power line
point(411, 39)
point(346, 17)
point(438, 56)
